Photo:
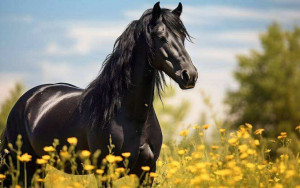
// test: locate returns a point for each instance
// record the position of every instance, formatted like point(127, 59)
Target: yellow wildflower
point(256, 142)
point(72, 140)
point(260, 167)
point(214, 147)
point(243, 148)
point(118, 159)
point(99, 171)
point(205, 126)
point(64, 154)
point(159, 163)
point(267, 150)
point(184, 133)
point(222, 130)
point(120, 170)
point(49, 149)
point(41, 161)
point(89, 167)
point(181, 152)
point(250, 165)
point(85, 153)
point(46, 157)
point(233, 141)
point(259, 131)
point(223, 172)
point(25, 157)
point(145, 168)
point(249, 126)
point(126, 154)
point(110, 158)
point(2, 176)
point(153, 175)
point(298, 127)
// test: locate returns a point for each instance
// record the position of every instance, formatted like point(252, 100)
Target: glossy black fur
point(118, 103)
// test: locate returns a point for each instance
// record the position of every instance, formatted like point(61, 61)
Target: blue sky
point(66, 41)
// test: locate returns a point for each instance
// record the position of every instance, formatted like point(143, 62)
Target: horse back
point(44, 113)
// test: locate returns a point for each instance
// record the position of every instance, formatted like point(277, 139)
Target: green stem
point(25, 175)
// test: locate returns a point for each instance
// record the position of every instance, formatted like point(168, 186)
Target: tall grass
point(238, 159)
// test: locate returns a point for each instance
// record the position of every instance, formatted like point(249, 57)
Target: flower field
point(238, 159)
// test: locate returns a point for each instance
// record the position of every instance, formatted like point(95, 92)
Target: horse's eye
point(163, 40)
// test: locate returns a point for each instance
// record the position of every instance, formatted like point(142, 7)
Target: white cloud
point(79, 75)
point(85, 39)
point(209, 54)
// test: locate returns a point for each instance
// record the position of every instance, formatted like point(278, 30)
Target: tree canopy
point(269, 83)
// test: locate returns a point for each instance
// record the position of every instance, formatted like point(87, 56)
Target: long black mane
point(102, 98)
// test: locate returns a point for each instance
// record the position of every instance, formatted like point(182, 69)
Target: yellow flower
point(278, 185)
point(2, 176)
point(85, 153)
point(64, 154)
point(256, 142)
point(110, 158)
point(120, 170)
point(298, 127)
point(223, 172)
point(25, 157)
point(250, 165)
point(196, 126)
point(259, 131)
point(46, 157)
point(243, 148)
point(145, 168)
point(181, 152)
point(89, 167)
point(205, 126)
point(184, 133)
point(188, 158)
point(118, 159)
point(248, 125)
point(233, 141)
point(72, 140)
point(99, 171)
point(214, 147)
point(153, 175)
point(159, 163)
point(267, 150)
point(260, 167)
point(126, 154)
point(41, 161)
point(49, 149)
point(222, 130)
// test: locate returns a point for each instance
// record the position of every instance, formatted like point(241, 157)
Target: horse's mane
point(102, 98)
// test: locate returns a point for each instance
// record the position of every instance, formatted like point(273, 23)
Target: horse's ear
point(156, 11)
point(178, 10)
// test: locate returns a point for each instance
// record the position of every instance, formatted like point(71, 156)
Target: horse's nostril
point(185, 75)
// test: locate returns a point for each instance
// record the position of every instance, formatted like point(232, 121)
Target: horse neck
point(139, 98)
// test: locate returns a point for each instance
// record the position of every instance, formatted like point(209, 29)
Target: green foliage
point(268, 95)
point(7, 105)
point(170, 113)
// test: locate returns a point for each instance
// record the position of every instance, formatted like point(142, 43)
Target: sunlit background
point(67, 41)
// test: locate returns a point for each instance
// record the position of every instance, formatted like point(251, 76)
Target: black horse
point(119, 102)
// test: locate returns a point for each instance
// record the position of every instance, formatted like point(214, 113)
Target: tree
point(269, 83)
point(8, 104)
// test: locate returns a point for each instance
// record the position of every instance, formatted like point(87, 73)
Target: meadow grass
point(237, 159)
